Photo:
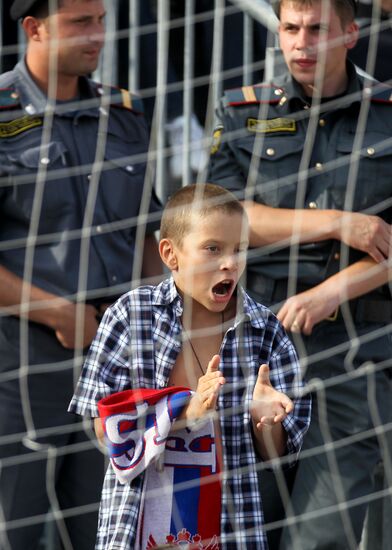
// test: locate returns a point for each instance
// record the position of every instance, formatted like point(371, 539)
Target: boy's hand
point(207, 391)
point(269, 406)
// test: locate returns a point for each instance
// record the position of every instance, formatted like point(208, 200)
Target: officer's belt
point(370, 309)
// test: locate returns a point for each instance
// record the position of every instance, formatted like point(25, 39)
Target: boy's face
point(211, 258)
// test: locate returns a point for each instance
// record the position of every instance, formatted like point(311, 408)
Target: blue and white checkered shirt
point(136, 346)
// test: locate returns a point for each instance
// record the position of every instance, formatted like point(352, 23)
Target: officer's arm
point(367, 233)
point(152, 264)
point(302, 312)
point(47, 309)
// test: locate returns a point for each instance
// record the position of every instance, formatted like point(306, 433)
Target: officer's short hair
point(345, 9)
point(201, 199)
point(33, 8)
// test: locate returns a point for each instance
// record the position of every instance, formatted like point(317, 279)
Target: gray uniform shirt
point(51, 188)
point(271, 147)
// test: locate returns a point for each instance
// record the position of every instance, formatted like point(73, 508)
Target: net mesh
point(180, 56)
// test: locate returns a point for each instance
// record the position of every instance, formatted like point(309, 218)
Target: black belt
point(370, 309)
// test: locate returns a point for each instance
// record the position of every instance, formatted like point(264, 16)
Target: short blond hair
point(201, 199)
point(345, 9)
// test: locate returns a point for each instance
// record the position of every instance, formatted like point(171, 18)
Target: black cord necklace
point(193, 349)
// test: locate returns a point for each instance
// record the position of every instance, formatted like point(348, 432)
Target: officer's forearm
point(152, 264)
point(358, 279)
point(27, 300)
point(272, 225)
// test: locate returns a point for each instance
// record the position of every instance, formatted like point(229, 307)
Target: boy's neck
point(197, 316)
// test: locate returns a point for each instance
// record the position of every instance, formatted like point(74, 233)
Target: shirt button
point(318, 166)
point(278, 91)
point(15, 95)
point(30, 109)
point(45, 161)
point(99, 228)
point(370, 151)
point(129, 168)
point(321, 122)
point(270, 151)
point(313, 205)
point(114, 278)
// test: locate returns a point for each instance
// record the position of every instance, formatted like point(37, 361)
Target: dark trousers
point(348, 437)
point(49, 460)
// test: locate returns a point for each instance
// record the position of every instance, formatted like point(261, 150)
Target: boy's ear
point(168, 254)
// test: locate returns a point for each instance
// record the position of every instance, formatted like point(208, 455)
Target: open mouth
point(223, 288)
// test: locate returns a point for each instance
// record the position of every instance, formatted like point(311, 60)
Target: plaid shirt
point(136, 345)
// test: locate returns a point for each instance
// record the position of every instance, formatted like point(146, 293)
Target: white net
point(180, 57)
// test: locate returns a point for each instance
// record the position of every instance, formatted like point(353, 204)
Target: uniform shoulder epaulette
point(122, 98)
point(382, 94)
point(260, 93)
point(9, 98)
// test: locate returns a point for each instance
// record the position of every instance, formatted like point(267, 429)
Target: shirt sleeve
point(107, 367)
point(224, 168)
point(285, 376)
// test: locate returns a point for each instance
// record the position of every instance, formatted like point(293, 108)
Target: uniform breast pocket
point(40, 185)
point(121, 182)
point(372, 187)
point(277, 159)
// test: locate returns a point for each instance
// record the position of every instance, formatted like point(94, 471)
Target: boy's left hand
point(269, 406)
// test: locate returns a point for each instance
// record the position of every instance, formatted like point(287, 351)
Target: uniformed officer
point(72, 167)
point(311, 155)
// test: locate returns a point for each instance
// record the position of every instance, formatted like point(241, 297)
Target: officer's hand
point(370, 234)
point(302, 312)
point(65, 323)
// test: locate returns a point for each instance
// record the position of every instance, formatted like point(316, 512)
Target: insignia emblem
point(271, 125)
point(19, 125)
point(216, 140)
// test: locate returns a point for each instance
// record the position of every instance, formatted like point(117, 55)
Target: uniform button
point(129, 168)
point(45, 161)
point(313, 205)
point(370, 151)
point(336, 256)
point(270, 151)
point(30, 109)
point(99, 228)
point(321, 122)
point(114, 278)
point(318, 166)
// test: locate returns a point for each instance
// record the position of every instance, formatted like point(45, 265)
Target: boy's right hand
point(207, 391)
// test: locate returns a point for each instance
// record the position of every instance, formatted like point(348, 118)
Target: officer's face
point(76, 30)
point(314, 42)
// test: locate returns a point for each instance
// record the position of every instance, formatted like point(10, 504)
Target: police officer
point(72, 167)
point(311, 155)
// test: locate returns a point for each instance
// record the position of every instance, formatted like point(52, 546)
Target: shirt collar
point(293, 91)
point(166, 293)
point(34, 101)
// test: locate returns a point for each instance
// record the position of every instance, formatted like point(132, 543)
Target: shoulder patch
point(18, 125)
point(122, 98)
point(383, 95)
point(260, 93)
point(9, 98)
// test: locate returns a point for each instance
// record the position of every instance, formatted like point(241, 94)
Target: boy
point(196, 330)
